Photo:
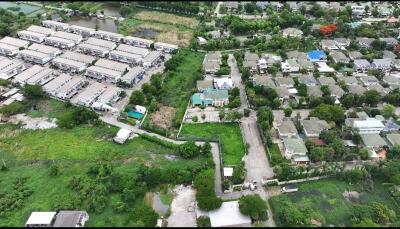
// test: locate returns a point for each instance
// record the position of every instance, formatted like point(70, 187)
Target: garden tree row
point(205, 190)
point(174, 7)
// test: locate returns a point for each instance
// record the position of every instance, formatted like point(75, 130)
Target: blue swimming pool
point(134, 114)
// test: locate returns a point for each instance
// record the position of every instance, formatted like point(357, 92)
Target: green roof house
point(294, 146)
point(211, 97)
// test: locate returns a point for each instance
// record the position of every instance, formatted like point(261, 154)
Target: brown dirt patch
point(163, 117)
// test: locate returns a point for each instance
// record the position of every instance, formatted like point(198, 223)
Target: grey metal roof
point(323, 80)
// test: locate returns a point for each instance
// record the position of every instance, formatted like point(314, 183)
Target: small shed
point(122, 136)
point(40, 219)
point(228, 171)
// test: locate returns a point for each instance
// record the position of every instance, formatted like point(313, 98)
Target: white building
point(122, 136)
point(138, 42)
point(116, 37)
point(59, 42)
point(83, 31)
point(40, 219)
point(34, 75)
point(31, 36)
point(101, 73)
point(93, 50)
point(52, 51)
point(70, 88)
point(55, 25)
point(110, 95)
point(125, 57)
point(168, 48)
point(229, 215)
point(15, 42)
point(134, 76)
point(290, 65)
point(40, 29)
point(35, 56)
point(8, 50)
point(69, 65)
point(69, 36)
point(10, 68)
point(366, 125)
point(53, 86)
point(90, 94)
point(223, 83)
point(113, 65)
point(152, 59)
point(78, 57)
point(132, 49)
point(109, 45)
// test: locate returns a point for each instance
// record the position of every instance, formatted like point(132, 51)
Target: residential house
point(342, 43)
point(381, 64)
point(138, 42)
point(390, 41)
point(290, 65)
point(368, 80)
point(212, 62)
point(356, 89)
point(339, 57)
point(115, 37)
point(286, 129)
point(10, 68)
point(328, 45)
point(296, 55)
point(71, 219)
point(353, 55)
point(395, 64)
point(308, 80)
point(365, 125)
point(284, 82)
point(133, 76)
point(231, 5)
point(83, 31)
point(165, 47)
point(361, 65)
point(313, 127)
point(59, 42)
point(283, 93)
point(294, 146)
point(314, 91)
point(262, 65)
point(223, 83)
point(336, 91)
point(265, 81)
point(70, 88)
point(55, 25)
point(40, 219)
point(364, 42)
point(393, 139)
point(211, 97)
point(323, 80)
point(377, 87)
point(392, 81)
point(305, 64)
point(373, 141)
point(90, 94)
point(316, 56)
point(324, 68)
point(152, 59)
point(8, 50)
point(292, 32)
point(350, 80)
point(31, 36)
point(250, 61)
point(389, 55)
point(204, 84)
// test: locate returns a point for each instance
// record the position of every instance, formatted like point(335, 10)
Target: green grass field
point(178, 85)
point(28, 153)
point(325, 199)
point(233, 148)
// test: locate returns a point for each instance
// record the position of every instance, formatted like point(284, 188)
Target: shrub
point(203, 221)
point(253, 206)
point(195, 119)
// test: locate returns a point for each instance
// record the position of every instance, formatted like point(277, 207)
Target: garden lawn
point(324, 198)
point(233, 148)
point(276, 155)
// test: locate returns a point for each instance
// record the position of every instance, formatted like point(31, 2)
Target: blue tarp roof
point(391, 126)
point(316, 55)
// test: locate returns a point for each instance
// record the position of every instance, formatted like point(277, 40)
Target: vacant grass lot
point(233, 148)
point(27, 153)
point(178, 85)
point(50, 108)
point(325, 199)
point(171, 28)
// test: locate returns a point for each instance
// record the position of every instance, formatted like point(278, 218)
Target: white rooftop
point(40, 29)
point(228, 171)
point(113, 65)
point(14, 41)
point(99, 42)
point(228, 215)
point(40, 218)
point(131, 49)
point(70, 36)
point(368, 123)
point(43, 48)
point(78, 57)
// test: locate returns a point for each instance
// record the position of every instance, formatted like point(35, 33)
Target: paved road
point(257, 165)
point(237, 81)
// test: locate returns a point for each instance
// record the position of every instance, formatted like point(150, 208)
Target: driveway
point(237, 81)
point(211, 114)
point(183, 208)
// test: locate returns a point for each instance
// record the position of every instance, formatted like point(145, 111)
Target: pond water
point(111, 11)
point(90, 22)
point(24, 8)
point(145, 33)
